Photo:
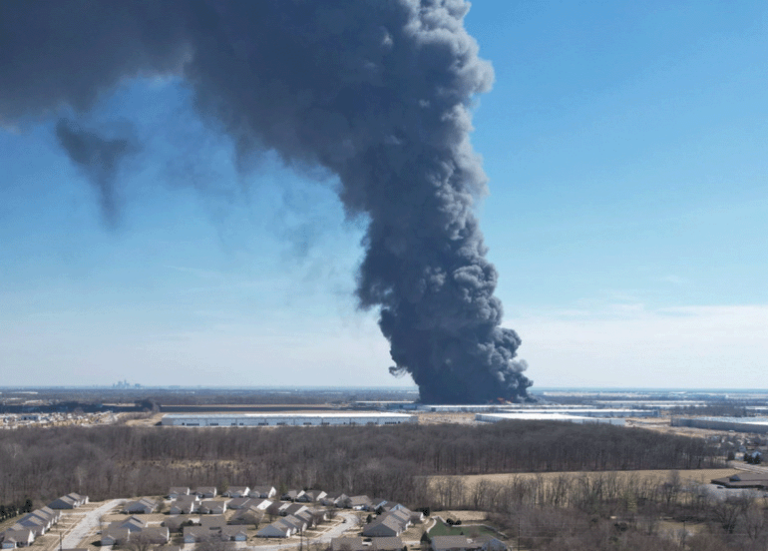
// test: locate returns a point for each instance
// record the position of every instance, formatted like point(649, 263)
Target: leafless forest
point(571, 513)
point(118, 461)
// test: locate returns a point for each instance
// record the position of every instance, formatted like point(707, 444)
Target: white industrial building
point(546, 416)
point(588, 412)
point(288, 419)
point(739, 424)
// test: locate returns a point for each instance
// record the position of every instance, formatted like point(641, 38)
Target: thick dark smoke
point(98, 157)
point(376, 91)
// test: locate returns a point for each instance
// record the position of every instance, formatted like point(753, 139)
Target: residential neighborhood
point(239, 516)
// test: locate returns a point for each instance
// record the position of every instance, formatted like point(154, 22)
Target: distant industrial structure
point(573, 417)
point(284, 419)
point(738, 424)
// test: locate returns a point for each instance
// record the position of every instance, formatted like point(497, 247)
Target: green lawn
point(442, 529)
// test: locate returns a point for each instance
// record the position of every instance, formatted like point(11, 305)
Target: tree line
point(389, 461)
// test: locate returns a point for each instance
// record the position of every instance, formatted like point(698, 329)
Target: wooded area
point(122, 461)
point(558, 513)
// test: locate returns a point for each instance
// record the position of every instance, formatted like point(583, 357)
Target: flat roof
point(543, 416)
point(281, 415)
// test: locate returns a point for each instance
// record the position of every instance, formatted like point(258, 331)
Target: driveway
point(90, 522)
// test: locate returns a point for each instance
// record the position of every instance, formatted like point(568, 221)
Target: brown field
point(702, 476)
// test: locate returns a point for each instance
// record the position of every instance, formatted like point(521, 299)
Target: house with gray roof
point(240, 502)
point(143, 506)
point(453, 543)
point(17, 538)
point(195, 534)
point(349, 544)
point(211, 507)
point(69, 501)
point(206, 492)
point(387, 544)
point(277, 529)
point(178, 491)
point(390, 524)
point(292, 495)
point(38, 526)
point(265, 492)
point(292, 509)
point(311, 495)
point(297, 522)
point(213, 522)
point(335, 500)
point(184, 505)
point(157, 535)
point(234, 533)
point(237, 491)
point(359, 503)
point(114, 535)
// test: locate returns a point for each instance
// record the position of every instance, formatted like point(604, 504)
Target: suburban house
point(293, 509)
point(292, 495)
point(39, 521)
point(133, 523)
point(237, 491)
point(318, 513)
point(47, 513)
point(17, 538)
point(153, 534)
point(453, 543)
point(305, 517)
point(276, 507)
point(359, 503)
point(195, 534)
point(348, 544)
point(312, 495)
point(335, 500)
point(387, 544)
point(115, 536)
point(185, 505)
point(70, 501)
point(213, 522)
point(144, 506)
point(131, 532)
point(240, 502)
point(211, 507)
point(177, 491)
point(37, 525)
point(298, 522)
point(234, 533)
point(277, 529)
point(390, 524)
point(265, 492)
point(247, 515)
point(206, 492)
point(261, 504)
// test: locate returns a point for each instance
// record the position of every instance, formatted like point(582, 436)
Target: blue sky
point(625, 145)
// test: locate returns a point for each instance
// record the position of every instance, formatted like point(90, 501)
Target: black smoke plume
point(376, 91)
point(98, 157)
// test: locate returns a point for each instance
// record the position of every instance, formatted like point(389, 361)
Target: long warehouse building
point(287, 419)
